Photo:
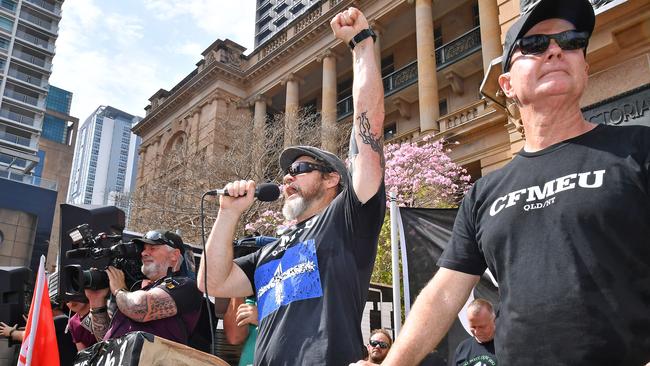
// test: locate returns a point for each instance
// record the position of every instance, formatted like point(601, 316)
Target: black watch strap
point(361, 36)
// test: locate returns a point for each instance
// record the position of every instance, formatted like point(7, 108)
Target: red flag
point(39, 346)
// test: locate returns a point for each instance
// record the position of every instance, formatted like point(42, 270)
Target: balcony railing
point(29, 179)
point(462, 116)
point(393, 82)
point(457, 49)
point(401, 78)
point(31, 79)
point(446, 55)
point(8, 5)
point(264, 6)
point(28, 99)
point(16, 117)
point(35, 40)
point(45, 5)
point(4, 44)
point(46, 24)
point(32, 59)
point(8, 136)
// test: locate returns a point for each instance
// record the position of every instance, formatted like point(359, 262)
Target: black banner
point(426, 234)
point(123, 351)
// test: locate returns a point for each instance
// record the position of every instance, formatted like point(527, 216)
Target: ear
point(506, 86)
point(332, 179)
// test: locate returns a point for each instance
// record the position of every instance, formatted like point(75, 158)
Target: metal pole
point(394, 244)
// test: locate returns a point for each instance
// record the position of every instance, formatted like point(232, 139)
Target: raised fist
point(348, 23)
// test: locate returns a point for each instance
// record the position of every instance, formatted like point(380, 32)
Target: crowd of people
point(573, 274)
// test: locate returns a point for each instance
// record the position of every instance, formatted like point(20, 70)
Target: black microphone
point(265, 192)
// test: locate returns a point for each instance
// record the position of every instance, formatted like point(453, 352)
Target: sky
point(120, 52)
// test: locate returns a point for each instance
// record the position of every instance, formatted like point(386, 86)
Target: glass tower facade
point(105, 157)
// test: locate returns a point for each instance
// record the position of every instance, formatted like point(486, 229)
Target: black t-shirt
point(67, 348)
point(471, 353)
point(177, 328)
point(566, 233)
point(312, 283)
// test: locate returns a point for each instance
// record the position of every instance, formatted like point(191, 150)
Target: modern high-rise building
point(105, 157)
point(28, 192)
point(28, 30)
point(272, 16)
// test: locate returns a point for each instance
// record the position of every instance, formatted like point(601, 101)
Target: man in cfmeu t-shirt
point(563, 227)
point(311, 284)
point(168, 305)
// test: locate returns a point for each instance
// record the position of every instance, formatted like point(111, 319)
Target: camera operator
point(168, 304)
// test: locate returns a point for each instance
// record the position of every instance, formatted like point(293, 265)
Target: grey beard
point(151, 269)
point(292, 209)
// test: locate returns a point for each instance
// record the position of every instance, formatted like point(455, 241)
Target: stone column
point(427, 80)
point(260, 113)
point(259, 136)
point(490, 32)
point(292, 106)
point(329, 140)
point(142, 160)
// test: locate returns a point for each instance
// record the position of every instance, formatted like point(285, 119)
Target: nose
point(554, 50)
point(288, 178)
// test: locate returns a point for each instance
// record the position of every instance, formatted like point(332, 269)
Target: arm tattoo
point(144, 306)
point(367, 137)
point(100, 324)
point(132, 304)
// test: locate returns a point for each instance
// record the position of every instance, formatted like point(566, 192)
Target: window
point(437, 36)
point(344, 89)
point(390, 131)
point(443, 107)
point(387, 65)
point(6, 24)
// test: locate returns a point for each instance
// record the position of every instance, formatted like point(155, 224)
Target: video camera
point(104, 250)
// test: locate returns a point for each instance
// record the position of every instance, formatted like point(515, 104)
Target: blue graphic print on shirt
point(293, 277)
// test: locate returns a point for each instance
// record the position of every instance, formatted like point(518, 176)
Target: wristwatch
point(368, 32)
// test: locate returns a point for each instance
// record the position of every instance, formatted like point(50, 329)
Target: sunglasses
point(301, 167)
point(159, 237)
point(538, 43)
point(382, 345)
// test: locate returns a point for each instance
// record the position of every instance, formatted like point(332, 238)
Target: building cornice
point(214, 70)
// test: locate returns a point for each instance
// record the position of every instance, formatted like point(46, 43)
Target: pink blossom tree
point(421, 175)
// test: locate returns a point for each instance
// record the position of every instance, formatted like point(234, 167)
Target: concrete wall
point(18, 230)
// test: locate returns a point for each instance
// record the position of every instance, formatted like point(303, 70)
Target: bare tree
point(172, 199)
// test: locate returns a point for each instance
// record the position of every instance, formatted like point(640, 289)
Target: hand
point(97, 298)
point(115, 279)
point(5, 330)
point(348, 23)
point(241, 196)
point(246, 314)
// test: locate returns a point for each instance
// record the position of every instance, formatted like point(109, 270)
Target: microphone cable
point(204, 259)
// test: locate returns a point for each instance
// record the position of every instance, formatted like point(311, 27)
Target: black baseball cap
point(579, 12)
point(161, 237)
point(290, 154)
